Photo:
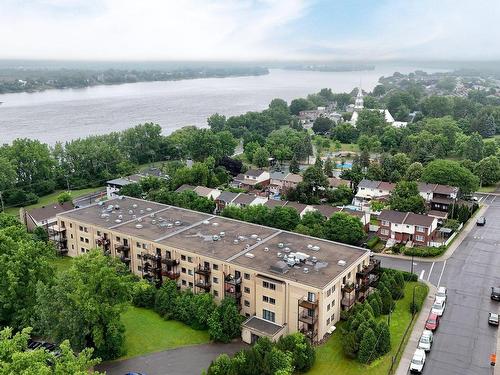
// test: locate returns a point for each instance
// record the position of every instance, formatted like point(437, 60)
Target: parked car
point(432, 322)
point(418, 361)
point(481, 221)
point(425, 341)
point(495, 293)
point(438, 307)
point(442, 294)
point(493, 319)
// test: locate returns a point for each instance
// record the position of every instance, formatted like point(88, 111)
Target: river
point(61, 115)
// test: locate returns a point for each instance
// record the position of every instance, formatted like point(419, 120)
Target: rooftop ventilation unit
point(104, 216)
point(236, 241)
point(121, 197)
point(117, 207)
point(279, 267)
point(206, 222)
point(138, 226)
point(141, 212)
point(286, 250)
point(139, 219)
point(134, 216)
point(120, 216)
point(110, 207)
point(215, 237)
point(134, 205)
point(215, 224)
point(118, 221)
point(266, 249)
point(152, 215)
point(279, 255)
point(281, 245)
point(250, 255)
point(309, 246)
point(314, 259)
point(254, 236)
point(170, 225)
point(153, 222)
point(258, 239)
point(177, 223)
point(101, 203)
point(149, 209)
point(222, 234)
point(306, 270)
point(315, 248)
point(130, 212)
point(247, 246)
point(342, 263)
point(241, 238)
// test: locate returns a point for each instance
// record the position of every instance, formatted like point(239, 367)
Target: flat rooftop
point(249, 245)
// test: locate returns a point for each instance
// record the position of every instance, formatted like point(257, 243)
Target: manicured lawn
point(349, 147)
point(330, 358)
point(52, 198)
point(489, 189)
point(147, 332)
point(62, 263)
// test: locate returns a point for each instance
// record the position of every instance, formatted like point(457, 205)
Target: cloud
point(249, 29)
point(148, 29)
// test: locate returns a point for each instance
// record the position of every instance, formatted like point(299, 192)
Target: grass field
point(147, 332)
point(52, 198)
point(62, 263)
point(489, 189)
point(331, 360)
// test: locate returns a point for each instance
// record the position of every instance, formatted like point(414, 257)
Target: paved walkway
point(411, 346)
point(187, 360)
point(454, 245)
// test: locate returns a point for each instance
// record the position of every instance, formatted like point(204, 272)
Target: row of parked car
point(431, 325)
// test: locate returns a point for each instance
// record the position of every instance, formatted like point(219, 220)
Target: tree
point(301, 350)
point(406, 198)
point(383, 338)
point(473, 148)
point(294, 165)
point(15, 358)
point(448, 172)
point(485, 125)
point(437, 106)
point(203, 306)
point(488, 170)
point(224, 322)
point(143, 294)
point(40, 234)
point(285, 218)
point(386, 297)
point(322, 125)
point(328, 167)
point(24, 263)
point(261, 157)
point(63, 197)
point(345, 133)
point(367, 347)
point(300, 104)
point(414, 172)
point(344, 228)
point(350, 345)
point(216, 122)
point(369, 143)
point(222, 365)
point(370, 122)
point(84, 304)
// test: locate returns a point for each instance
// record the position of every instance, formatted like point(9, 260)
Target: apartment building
point(282, 282)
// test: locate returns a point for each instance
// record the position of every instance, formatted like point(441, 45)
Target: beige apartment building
point(282, 282)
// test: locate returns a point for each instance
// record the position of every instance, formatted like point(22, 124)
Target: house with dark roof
point(113, 186)
point(44, 216)
point(225, 199)
point(250, 178)
point(403, 227)
point(244, 200)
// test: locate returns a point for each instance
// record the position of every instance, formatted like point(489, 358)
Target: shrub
point(165, 299)
point(384, 338)
point(63, 197)
point(301, 350)
point(224, 323)
point(424, 251)
point(372, 242)
point(143, 294)
point(367, 347)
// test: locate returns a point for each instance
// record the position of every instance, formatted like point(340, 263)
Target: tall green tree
point(448, 172)
point(344, 228)
point(224, 323)
point(406, 198)
point(488, 170)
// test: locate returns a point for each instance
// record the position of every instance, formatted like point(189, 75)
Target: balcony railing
point(372, 267)
point(203, 285)
point(306, 318)
point(171, 274)
point(310, 333)
point(307, 304)
point(122, 247)
point(230, 279)
point(170, 262)
point(348, 288)
point(348, 301)
point(125, 259)
point(202, 270)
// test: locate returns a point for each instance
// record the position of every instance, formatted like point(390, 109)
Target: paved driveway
point(189, 360)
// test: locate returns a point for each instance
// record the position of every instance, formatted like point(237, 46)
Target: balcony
point(125, 259)
point(348, 288)
point(305, 303)
point(171, 274)
point(122, 247)
point(372, 267)
point(202, 270)
point(232, 291)
point(203, 285)
point(310, 333)
point(170, 262)
point(306, 318)
point(231, 280)
point(348, 301)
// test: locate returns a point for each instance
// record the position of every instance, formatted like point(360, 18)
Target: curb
point(454, 245)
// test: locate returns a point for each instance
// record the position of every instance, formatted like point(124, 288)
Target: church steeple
point(359, 103)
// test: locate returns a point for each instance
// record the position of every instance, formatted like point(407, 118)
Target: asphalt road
point(464, 340)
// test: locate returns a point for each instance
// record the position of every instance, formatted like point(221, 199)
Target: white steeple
point(358, 103)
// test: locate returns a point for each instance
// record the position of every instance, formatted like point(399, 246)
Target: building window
point(333, 303)
point(268, 315)
point(269, 285)
point(247, 276)
point(247, 303)
point(190, 284)
point(272, 301)
point(419, 238)
point(183, 257)
point(328, 292)
point(385, 223)
point(139, 256)
point(333, 318)
point(86, 230)
point(98, 232)
point(190, 259)
point(138, 245)
point(117, 239)
point(190, 272)
point(72, 247)
point(86, 240)
point(139, 268)
point(216, 293)
point(265, 298)
point(328, 321)
point(81, 239)
point(349, 275)
point(82, 249)
point(328, 307)
point(333, 288)
point(183, 270)
point(247, 290)
point(215, 267)
point(71, 225)
point(384, 232)
point(81, 228)
point(420, 228)
point(71, 235)
point(216, 280)
point(184, 282)
point(144, 245)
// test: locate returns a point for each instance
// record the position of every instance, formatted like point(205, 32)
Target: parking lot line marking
point(430, 271)
point(422, 275)
point(442, 271)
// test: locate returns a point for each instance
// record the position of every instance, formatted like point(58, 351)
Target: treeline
point(31, 80)
point(29, 168)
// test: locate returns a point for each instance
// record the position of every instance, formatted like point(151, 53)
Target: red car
point(432, 322)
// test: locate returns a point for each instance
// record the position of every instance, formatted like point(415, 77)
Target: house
point(328, 210)
point(271, 203)
point(113, 186)
point(250, 178)
point(291, 181)
point(276, 182)
point(44, 216)
point(403, 227)
point(369, 189)
point(301, 208)
point(224, 199)
point(206, 192)
point(335, 182)
point(244, 200)
point(185, 187)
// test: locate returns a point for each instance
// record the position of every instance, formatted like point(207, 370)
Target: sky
point(361, 30)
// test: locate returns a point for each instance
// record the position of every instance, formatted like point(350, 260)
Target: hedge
point(407, 276)
point(424, 251)
point(372, 242)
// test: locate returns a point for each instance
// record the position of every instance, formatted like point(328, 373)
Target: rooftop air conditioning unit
point(215, 237)
point(254, 236)
point(279, 255)
point(134, 205)
point(138, 226)
point(342, 263)
point(130, 212)
point(315, 248)
point(306, 270)
point(309, 246)
point(206, 222)
point(281, 245)
point(149, 209)
point(266, 249)
point(222, 234)
point(177, 223)
point(250, 255)
point(236, 241)
point(215, 224)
